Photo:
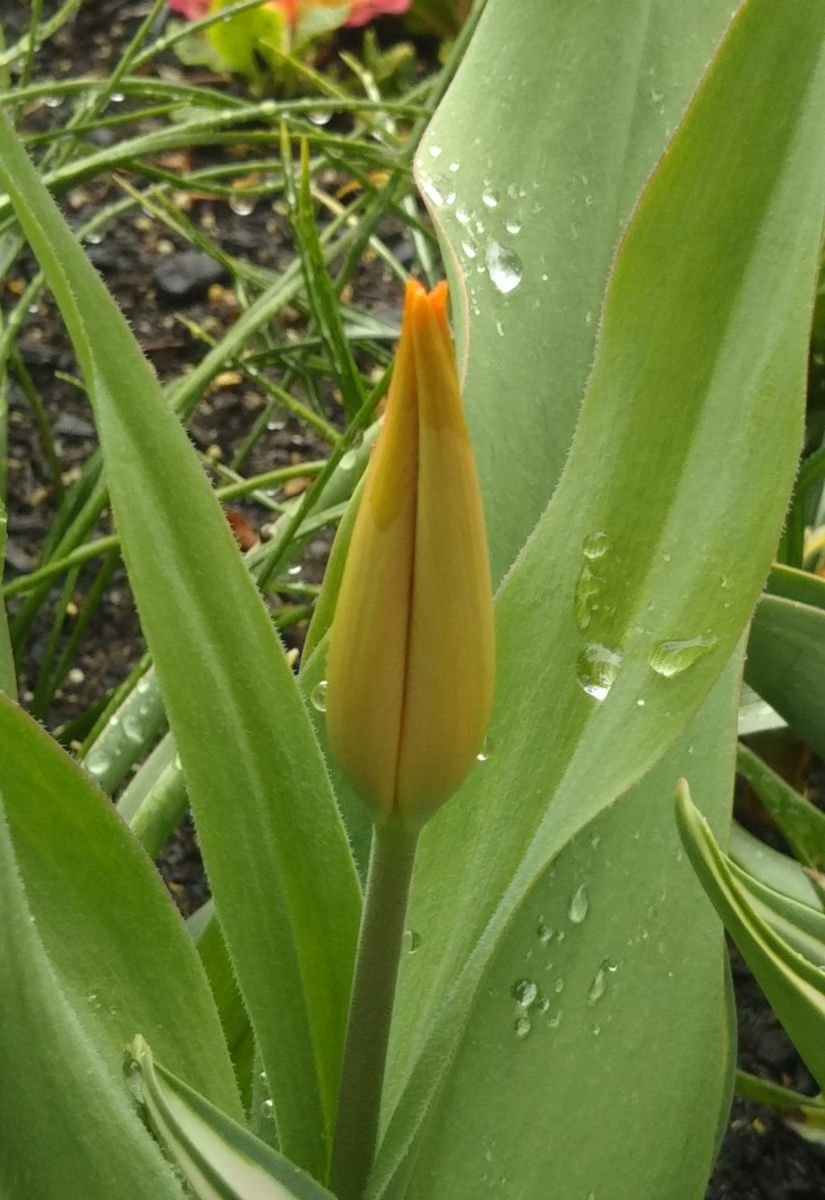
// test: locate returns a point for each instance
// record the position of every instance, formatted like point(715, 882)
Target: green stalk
point(371, 1004)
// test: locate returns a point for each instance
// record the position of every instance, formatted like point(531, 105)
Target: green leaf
point(220, 1159)
point(274, 847)
point(795, 988)
point(103, 916)
point(786, 664)
point(800, 822)
point(69, 1125)
point(574, 1003)
point(775, 870)
point(655, 544)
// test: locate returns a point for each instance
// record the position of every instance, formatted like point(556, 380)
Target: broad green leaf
point(801, 926)
point(275, 850)
point(794, 987)
point(103, 916)
point(640, 577)
point(574, 1009)
point(799, 821)
point(69, 1127)
point(786, 664)
point(775, 870)
point(220, 1159)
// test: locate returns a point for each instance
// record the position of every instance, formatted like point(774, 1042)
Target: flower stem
point(370, 1014)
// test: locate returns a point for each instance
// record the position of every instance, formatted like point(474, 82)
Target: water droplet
point(596, 1030)
point(544, 1004)
point(268, 1109)
point(117, 97)
point(321, 117)
point(525, 992)
point(133, 728)
point(242, 206)
point(640, 703)
point(579, 905)
point(454, 167)
point(262, 1078)
point(555, 1021)
point(597, 670)
point(319, 697)
point(599, 985)
point(596, 544)
point(469, 248)
point(75, 675)
point(504, 267)
point(434, 151)
point(463, 215)
point(490, 197)
point(97, 765)
point(585, 598)
point(53, 101)
point(672, 657)
point(499, 329)
point(513, 226)
point(544, 932)
point(523, 1026)
point(486, 750)
point(558, 987)
point(295, 570)
point(437, 189)
point(412, 940)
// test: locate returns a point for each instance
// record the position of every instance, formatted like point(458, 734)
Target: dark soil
point(155, 277)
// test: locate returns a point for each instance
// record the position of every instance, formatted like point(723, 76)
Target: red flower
point(365, 10)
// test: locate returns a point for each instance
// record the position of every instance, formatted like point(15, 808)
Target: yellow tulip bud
point(411, 656)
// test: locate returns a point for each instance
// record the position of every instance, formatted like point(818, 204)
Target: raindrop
point(468, 248)
point(133, 728)
point(97, 765)
point(597, 670)
point(558, 987)
point(504, 267)
point(596, 544)
point(412, 940)
point(543, 931)
point(579, 905)
point(672, 657)
point(295, 570)
point(435, 189)
point(640, 703)
point(242, 206)
point(599, 985)
point(268, 1109)
point(463, 215)
point(262, 1077)
point(76, 675)
point(319, 696)
point(513, 226)
point(486, 750)
point(53, 101)
point(490, 197)
point(117, 97)
point(555, 1021)
point(588, 589)
point(94, 239)
point(435, 151)
point(453, 167)
point(499, 329)
point(525, 992)
point(522, 1027)
point(544, 1004)
point(320, 117)
point(596, 1030)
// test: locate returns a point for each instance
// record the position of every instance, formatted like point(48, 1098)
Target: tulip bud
point(411, 656)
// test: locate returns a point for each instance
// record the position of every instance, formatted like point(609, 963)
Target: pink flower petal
point(366, 10)
point(193, 10)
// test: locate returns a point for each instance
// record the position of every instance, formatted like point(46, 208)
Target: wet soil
point(156, 280)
